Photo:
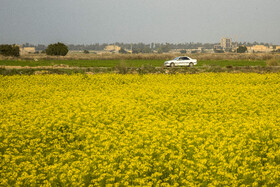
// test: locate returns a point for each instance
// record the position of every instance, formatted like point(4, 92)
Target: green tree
point(165, 48)
point(219, 51)
point(241, 49)
point(9, 50)
point(184, 51)
point(142, 49)
point(146, 50)
point(122, 51)
point(159, 51)
point(58, 49)
point(135, 51)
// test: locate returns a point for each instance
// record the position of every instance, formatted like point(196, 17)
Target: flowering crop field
point(212, 129)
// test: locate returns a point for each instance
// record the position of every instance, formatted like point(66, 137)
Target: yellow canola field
point(214, 129)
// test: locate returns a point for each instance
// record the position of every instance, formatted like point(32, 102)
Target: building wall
point(26, 50)
point(226, 43)
point(112, 48)
point(259, 48)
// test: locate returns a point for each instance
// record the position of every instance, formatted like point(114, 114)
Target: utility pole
point(236, 43)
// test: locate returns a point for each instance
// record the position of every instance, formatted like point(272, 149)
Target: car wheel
point(172, 65)
point(191, 64)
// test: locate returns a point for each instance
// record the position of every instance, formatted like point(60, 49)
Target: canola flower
point(214, 129)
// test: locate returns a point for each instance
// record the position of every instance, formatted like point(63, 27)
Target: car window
point(184, 58)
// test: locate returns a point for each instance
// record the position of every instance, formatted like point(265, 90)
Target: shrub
point(159, 51)
point(219, 51)
point(86, 51)
point(58, 49)
point(276, 51)
point(141, 50)
point(122, 68)
point(241, 49)
point(183, 51)
point(272, 62)
point(9, 50)
point(144, 69)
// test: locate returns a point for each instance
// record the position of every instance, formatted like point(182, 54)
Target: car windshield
point(176, 58)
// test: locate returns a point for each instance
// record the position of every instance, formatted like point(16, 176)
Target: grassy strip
point(129, 63)
point(144, 70)
point(82, 63)
point(224, 63)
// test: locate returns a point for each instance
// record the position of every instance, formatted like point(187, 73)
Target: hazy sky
point(108, 21)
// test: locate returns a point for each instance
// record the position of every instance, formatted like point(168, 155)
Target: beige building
point(112, 48)
point(26, 50)
point(226, 43)
point(259, 49)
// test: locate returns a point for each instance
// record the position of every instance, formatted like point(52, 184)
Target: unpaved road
point(49, 67)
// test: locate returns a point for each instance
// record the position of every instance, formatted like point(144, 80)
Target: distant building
point(26, 50)
point(226, 43)
point(218, 47)
point(128, 51)
point(277, 47)
point(201, 49)
point(259, 49)
point(112, 48)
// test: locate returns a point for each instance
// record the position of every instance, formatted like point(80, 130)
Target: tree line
point(142, 46)
point(62, 49)
point(57, 49)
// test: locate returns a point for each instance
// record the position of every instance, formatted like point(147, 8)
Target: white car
point(181, 61)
